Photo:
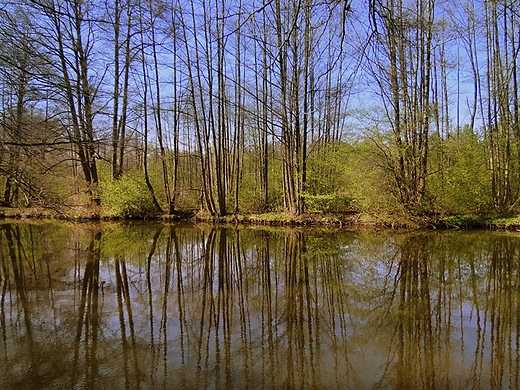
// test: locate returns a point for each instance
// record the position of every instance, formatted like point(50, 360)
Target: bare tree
point(121, 15)
point(402, 60)
point(145, 110)
point(66, 33)
point(501, 113)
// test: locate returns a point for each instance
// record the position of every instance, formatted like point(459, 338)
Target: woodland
point(157, 107)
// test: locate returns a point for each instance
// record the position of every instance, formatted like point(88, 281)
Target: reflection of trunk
point(208, 247)
point(292, 258)
point(414, 328)
point(502, 291)
point(299, 312)
point(154, 357)
point(224, 300)
point(268, 313)
point(242, 286)
point(217, 315)
point(123, 294)
point(12, 236)
point(475, 371)
point(88, 314)
point(164, 318)
point(180, 302)
point(5, 283)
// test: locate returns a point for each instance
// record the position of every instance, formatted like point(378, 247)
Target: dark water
point(111, 306)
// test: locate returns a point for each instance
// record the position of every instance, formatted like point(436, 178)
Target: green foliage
point(328, 203)
point(324, 174)
point(251, 197)
point(349, 177)
point(250, 194)
point(505, 222)
point(328, 188)
point(127, 197)
point(188, 183)
point(272, 217)
point(459, 183)
point(458, 220)
point(368, 182)
point(130, 241)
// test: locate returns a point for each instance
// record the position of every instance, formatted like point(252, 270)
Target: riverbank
point(382, 220)
point(82, 213)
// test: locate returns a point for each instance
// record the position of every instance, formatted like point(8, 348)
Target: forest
point(155, 107)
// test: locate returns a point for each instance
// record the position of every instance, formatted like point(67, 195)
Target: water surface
point(148, 306)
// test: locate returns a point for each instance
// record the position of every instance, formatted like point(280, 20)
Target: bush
point(328, 203)
point(127, 197)
point(460, 181)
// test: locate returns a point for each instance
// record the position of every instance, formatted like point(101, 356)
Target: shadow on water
point(153, 306)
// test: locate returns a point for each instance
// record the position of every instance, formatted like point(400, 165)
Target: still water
point(147, 306)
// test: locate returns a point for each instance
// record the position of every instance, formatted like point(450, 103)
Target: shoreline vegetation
point(336, 113)
point(333, 220)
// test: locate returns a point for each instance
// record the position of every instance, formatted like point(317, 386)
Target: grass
point(458, 221)
point(377, 220)
point(504, 222)
point(508, 222)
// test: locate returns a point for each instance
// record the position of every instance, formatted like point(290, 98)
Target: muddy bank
point(84, 213)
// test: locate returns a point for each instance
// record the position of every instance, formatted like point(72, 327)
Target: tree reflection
point(88, 315)
point(15, 258)
point(189, 307)
point(432, 286)
point(299, 313)
point(414, 317)
point(255, 303)
point(502, 315)
point(149, 260)
point(26, 359)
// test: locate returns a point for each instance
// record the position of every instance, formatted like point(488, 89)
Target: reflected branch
point(88, 314)
point(151, 253)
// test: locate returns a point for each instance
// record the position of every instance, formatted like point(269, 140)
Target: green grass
point(458, 221)
point(504, 222)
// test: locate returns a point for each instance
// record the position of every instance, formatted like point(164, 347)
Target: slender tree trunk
point(199, 116)
point(126, 79)
point(116, 90)
point(176, 114)
point(158, 115)
point(220, 130)
point(239, 118)
point(145, 116)
point(120, 88)
point(78, 93)
point(407, 41)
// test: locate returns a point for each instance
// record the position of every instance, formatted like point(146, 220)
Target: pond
point(153, 306)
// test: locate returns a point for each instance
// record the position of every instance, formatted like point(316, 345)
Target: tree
point(120, 14)
point(66, 33)
point(501, 121)
point(145, 109)
point(16, 80)
point(31, 139)
point(402, 65)
point(299, 76)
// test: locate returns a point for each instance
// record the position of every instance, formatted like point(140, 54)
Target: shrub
point(329, 203)
point(127, 197)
